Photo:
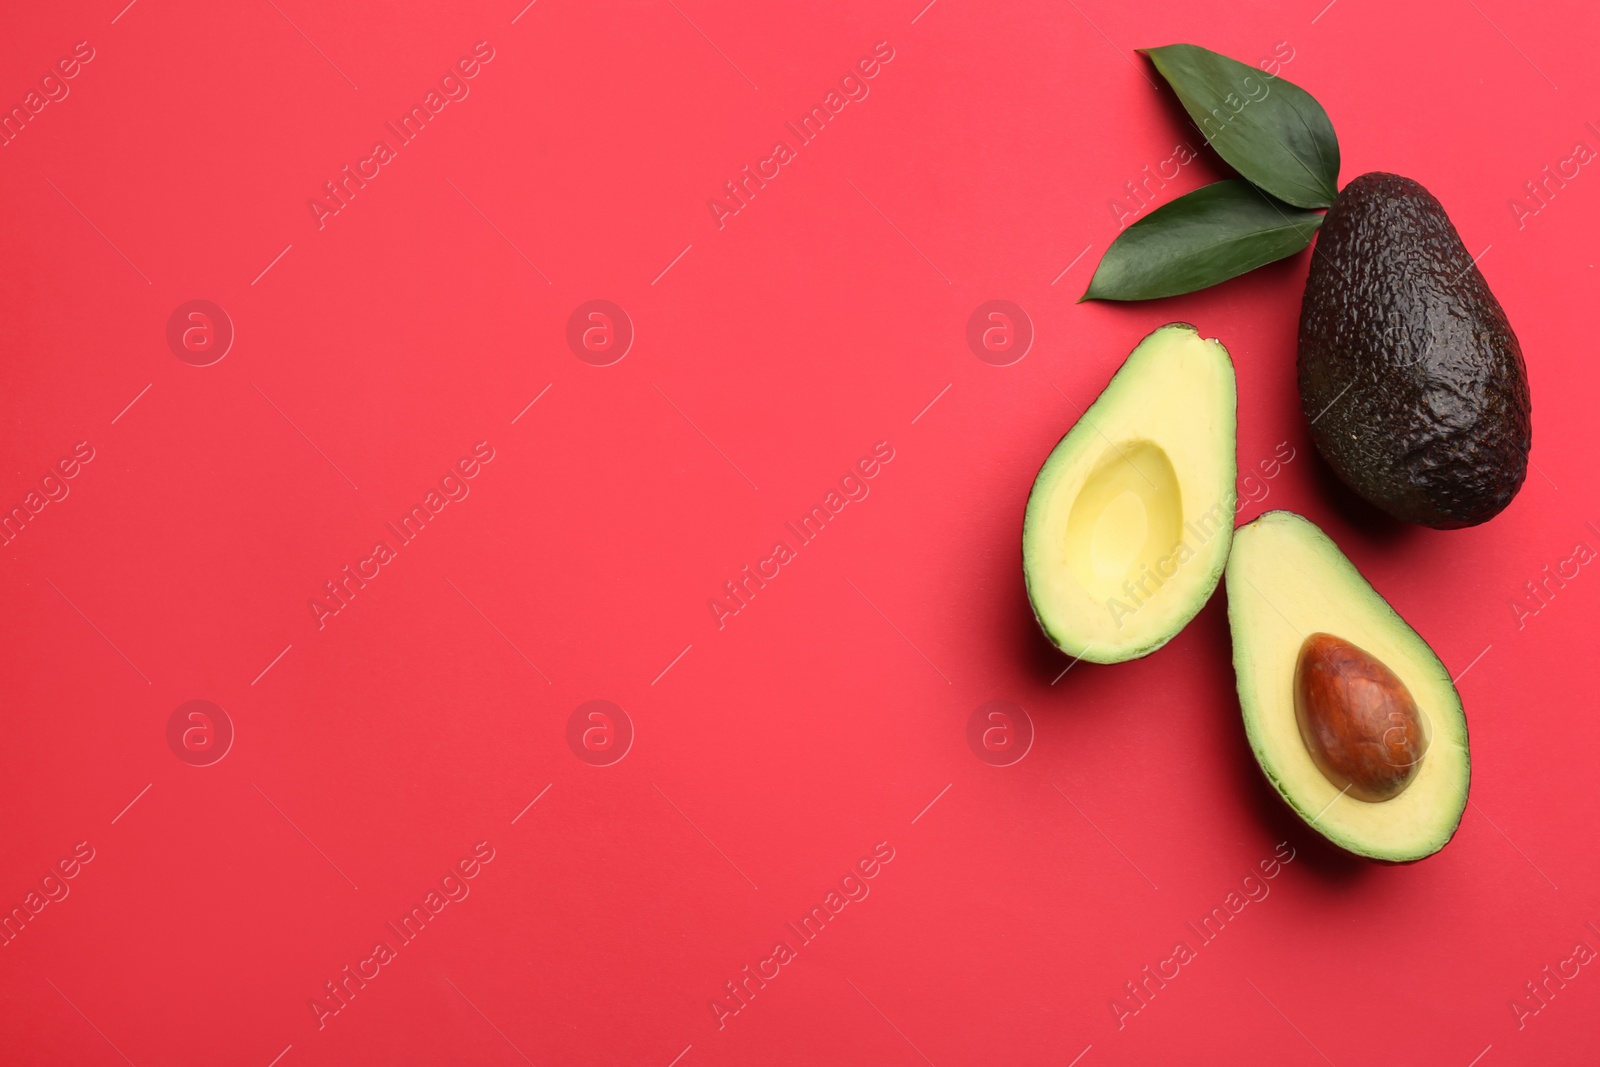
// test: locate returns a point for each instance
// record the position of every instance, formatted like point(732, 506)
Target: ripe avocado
point(1409, 372)
point(1351, 716)
point(1129, 520)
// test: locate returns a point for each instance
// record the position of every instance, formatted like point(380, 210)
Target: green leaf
point(1208, 236)
point(1271, 131)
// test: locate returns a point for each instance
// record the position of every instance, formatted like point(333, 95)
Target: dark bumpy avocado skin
point(1409, 372)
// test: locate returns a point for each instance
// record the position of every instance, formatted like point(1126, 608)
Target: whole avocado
point(1409, 373)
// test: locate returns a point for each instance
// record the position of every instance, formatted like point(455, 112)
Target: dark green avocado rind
point(1409, 372)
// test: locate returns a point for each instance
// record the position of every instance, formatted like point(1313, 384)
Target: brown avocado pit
point(1357, 719)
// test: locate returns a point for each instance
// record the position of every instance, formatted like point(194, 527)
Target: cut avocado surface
point(1128, 525)
point(1296, 605)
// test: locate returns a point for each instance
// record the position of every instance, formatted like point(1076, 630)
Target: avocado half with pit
point(1129, 521)
point(1352, 717)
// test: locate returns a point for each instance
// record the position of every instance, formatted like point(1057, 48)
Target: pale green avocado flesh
point(1287, 580)
point(1128, 525)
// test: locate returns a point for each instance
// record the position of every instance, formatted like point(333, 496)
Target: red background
point(825, 716)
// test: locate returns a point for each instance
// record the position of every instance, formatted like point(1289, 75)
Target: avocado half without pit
point(1128, 525)
point(1352, 717)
